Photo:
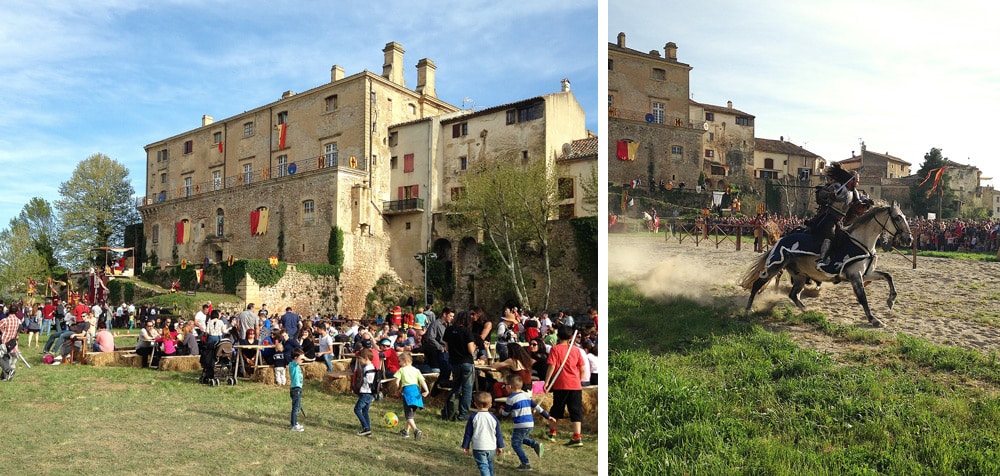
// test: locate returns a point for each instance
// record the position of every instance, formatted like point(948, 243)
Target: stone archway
point(443, 270)
point(466, 266)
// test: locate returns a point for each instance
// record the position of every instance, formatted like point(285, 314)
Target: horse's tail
point(752, 274)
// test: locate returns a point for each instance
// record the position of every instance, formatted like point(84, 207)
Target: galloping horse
point(652, 223)
point(852, 258)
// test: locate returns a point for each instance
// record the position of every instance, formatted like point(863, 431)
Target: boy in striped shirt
point(519, 405)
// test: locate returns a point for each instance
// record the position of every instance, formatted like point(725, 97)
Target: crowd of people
point(524, 354)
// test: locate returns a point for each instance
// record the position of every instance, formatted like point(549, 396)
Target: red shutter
point(416, 191)
point(402, 193)
point(408, 163)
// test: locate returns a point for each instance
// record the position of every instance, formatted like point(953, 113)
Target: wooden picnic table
point(256, 358)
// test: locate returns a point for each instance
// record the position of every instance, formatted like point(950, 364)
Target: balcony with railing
point(399, 207)
point(278, 172)
point(649, 117)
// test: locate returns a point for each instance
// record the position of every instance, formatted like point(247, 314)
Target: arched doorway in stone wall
point(466, 267)
point(442, 270)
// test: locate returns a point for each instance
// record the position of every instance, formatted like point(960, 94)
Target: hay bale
point(101, 359)
point(340, 365)
point(129, 359)
point(263, 374)
point(313, 370)
point(180, 363)
point(338, 382)
point(589, 423)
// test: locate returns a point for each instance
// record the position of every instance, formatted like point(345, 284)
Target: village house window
point(407, 163)
point(188, 146)
point(659, 74)
point(330, 153)
point(331, 103)
point(709, 153)
point(220, 222)
point(393, 162)
point(742, 121)
point(463, 163)
point(282, 165)
point(248, 129)
point(187, 186)
point(710, 116)
point(658, 112)
point(217, 180)
point(162, 155)
point(282, 117)
point(393, 139)
point(308, 211)
point(163, 178)
point(768, 163)
point(247, 173)
point(611, 64)
point(460, 130)
point(156, 234)
point(566, 188)
point(457, 193)
point(217, 137)
point(676, 150)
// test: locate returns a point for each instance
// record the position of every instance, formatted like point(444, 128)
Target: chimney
point(336, 73)
point(206, 120)
point(671, 50)
point(425, 77)
point(729, 104)
point(621, 39)
point(287, 94)
point(393, 67)
point(565, 85)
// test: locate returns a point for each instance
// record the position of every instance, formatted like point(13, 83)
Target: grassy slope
point(696, 391)
point(125, 420)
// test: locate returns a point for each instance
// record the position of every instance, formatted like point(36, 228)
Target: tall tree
point(95, 208)
point(512, 202)
point(18, 260)
point(43, 229)
point(941, 200)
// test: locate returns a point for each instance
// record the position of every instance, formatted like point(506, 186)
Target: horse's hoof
point(875, 322)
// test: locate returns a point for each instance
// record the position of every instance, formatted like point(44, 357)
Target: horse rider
point(838, 202)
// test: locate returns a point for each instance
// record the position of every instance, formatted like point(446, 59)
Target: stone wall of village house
point(308, 295)
point(337, 199)
point(568, 290)
point(655, 142)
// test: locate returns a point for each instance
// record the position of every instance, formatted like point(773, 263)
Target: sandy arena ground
point(948, 302)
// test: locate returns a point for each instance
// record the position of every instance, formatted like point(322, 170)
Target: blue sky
point(111, 76)
point(903, 76)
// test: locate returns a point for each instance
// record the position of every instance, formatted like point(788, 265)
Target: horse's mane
point(866, 217)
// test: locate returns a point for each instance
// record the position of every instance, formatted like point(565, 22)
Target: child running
point(413, 388)
point(295, 378)
point(519, 405)
point(482, 434)
point(364, 385)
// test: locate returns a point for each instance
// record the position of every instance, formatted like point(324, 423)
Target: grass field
point(704, 391)
point(77, 419)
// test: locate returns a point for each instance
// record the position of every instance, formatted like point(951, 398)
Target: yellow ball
point(391, 420)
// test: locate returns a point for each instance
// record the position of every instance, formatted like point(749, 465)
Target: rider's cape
point(846, 251)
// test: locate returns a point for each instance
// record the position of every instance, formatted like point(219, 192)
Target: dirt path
point(948, 302)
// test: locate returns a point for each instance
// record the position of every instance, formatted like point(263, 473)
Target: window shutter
point(408, 163)
point(416, 191)
point(456, 130)
point(402, 193)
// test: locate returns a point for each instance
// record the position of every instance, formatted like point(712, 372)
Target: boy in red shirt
point(563, 378)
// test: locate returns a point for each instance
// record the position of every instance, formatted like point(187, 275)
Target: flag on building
point(282, 128)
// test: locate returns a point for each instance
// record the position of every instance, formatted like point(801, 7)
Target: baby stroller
point(217, 362)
